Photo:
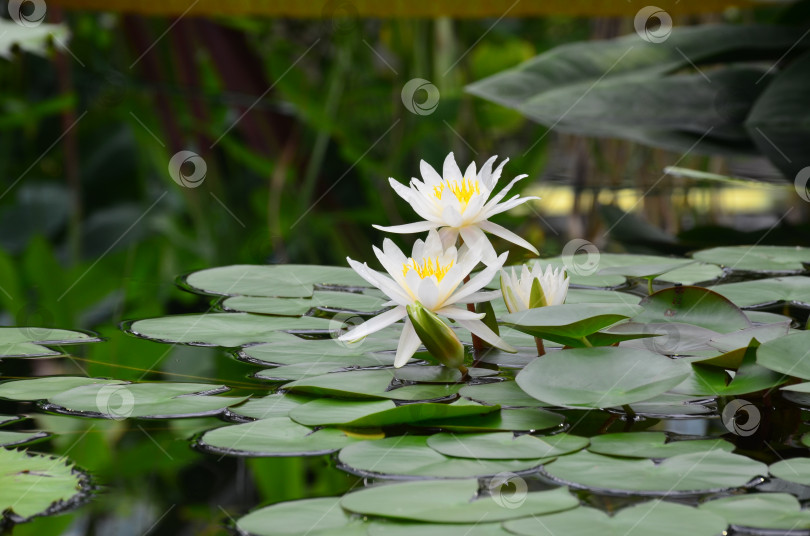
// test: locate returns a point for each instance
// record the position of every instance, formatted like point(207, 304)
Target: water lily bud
point(533, 288)
point(438, 338)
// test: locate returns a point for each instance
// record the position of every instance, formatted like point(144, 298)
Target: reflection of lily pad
point(698, 471)
point(33, 341)
point(450, 502)
point(410, 457)
point(600, 377)
point(778, 511)
point(652, 445)
point(275, 436)
point(281, 280)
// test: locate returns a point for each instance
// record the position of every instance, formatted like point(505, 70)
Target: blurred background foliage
point(300, 122)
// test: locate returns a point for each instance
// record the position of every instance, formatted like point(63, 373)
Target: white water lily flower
point(534, 288)
point(460, 204)
point(432, 276)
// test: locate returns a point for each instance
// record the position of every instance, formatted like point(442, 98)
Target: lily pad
point(286, 349)
point(652, 445)
point(795, 290)
point(655, 517)
point(693, 305)
point(318, 517)
point(300, 371)
point(274, 436)
point(438, 374)
point(159, 400)
point(33, 341)
point(326, 300)
point(275, 405)
point(776, 511)
point(787, 355)
point(793, 470)
point(392, 528)
point(505, 445)
point(505, 420)
point(760, 259)
point(33, 484)
point(569, 323)
point(687, 473)
point(368, 384)
point(600, 377)
point(409, 456)
point(450, 502)
point(506, 393)
point(221, 329)
point(362, 414)
point(671, 406)
point(43, 388)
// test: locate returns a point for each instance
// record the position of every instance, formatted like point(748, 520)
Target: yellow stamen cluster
point(427, 268)
point(463, 190)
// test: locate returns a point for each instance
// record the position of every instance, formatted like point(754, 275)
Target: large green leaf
point(652, 445)
point(779, 122)
point(368, 384)
point(693, 305)
point(778, 511)
point(600, 377)
point(222, 329)
point(760, 259)
point(281, 280)
point(569, 324)
point(326, 300)
point(318, 517)
point(506, 420)
point(450, 502)
point(795, 290)
point(505, 445)
point(506, 393)
point(275, 405)
point(33, 341)
point(793, 470)
point(42, 388)
point(283, 348)
point(409, 456)
point(787, 355)
point(698, 471)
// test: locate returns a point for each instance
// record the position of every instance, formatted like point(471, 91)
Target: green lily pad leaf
point(326, 300)
point(655, 517)
point(586, 295)
point(34, 485)
point(652, 445)
point(408, 456)
point(43, 388)
point(670, 405)
point(569, 323)
point(282, 280)
point(765, 317)
point(698, 471)
point(266, 407)
point(740, 340)
point(221, 329)
point(274, 436)
point(668, 338)
point(795, 290)
point(453, 501)
point(647, 271)
point(793, 470)
point(506, 420)
point(760, 259)
point(777, 511)
point(392, 528)
point(600, 377)
point(693, 305)
point(300, 371)
point(16, 439)
point(506, 393)
point(523, 357)
point(33, 341)
point(368, 384)
point(159, 400)
point(316, 517)
point(505, 445)
point(362, 414)
point(438, 374)
point(286, 349)
point(787, 355)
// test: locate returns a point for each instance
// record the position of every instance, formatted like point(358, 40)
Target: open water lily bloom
point(461, 204)
point(534, 288)
point(433, 276)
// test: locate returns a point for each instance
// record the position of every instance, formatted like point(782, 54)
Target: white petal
point(428, 293)
point(506, 234)
point(376, 323)
point(408, 228)
point(485, 175)
point(451, 215)
point(495, 199)
point(507, 205)
point(450, 170)
point(479, 281)
point(408, 344)
point(403, 191)
point(470, 174)
point(433, 245)
point(449, 235)
point(479, 328)
point(387, 285)
point(394, 268)
point(477, 297)
point(456, 313)
point(429, 174)
point(477, 242)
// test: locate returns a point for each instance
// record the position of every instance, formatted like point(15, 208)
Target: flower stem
point(540, 348)
point(586, 342)
point(650, 286)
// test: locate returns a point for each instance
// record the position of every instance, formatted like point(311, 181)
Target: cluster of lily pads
point(550, 405)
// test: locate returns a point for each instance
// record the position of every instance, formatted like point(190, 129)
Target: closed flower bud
point(438, 337)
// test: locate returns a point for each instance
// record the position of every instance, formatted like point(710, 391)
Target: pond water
point(692, 392)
